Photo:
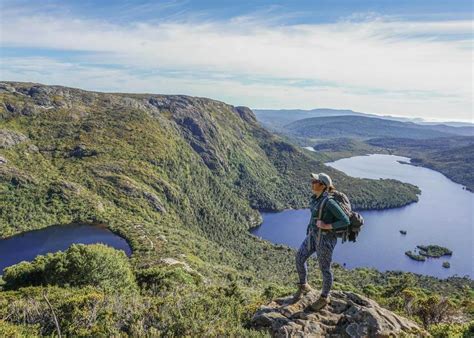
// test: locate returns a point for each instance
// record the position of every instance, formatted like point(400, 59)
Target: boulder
point(154, 201)
point(174, 262)
point(347, 315)
point(6, 88)
point(82, 151)
point(9, 138)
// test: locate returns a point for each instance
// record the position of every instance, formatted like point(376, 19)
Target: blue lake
point(443, 215)
point(28, 245)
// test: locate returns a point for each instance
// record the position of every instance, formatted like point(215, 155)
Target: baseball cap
point(325, 178)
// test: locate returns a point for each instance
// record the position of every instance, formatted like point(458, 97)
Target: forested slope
point(452, 156)
point(359, 127)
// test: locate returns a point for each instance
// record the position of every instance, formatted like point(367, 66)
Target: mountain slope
point(156, 149)
point(276, 119)
point(359, 127)
point(451, 156)
point(152, 165)
point(179, 177)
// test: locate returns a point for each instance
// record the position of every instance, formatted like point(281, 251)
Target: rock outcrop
point(347, 315)
point(9, 138)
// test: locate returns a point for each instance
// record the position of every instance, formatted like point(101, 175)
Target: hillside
point(359, 127)
point(277, 119)
point(461, 129)
point(59, 141)
point(180, 178)
point(453, 157)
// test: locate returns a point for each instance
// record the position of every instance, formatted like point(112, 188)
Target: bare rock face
point(9, 138)
point(347, 315)
point(246, 114)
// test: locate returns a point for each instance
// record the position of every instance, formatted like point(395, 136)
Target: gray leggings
point(323, 248)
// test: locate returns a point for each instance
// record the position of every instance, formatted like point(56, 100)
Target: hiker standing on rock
point(321, 238)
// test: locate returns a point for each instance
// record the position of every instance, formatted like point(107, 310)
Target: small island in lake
point(446, 265)
point(415, 256)
point(434, 251)
point(403, 232)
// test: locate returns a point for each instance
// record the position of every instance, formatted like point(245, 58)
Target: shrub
point(97, 265)
point(157, 279)
point(274, 291)
point(452, 330)
point(434, 309)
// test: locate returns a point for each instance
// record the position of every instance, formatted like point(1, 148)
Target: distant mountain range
point(276, 119)
point(367, 127)
point(336, 134)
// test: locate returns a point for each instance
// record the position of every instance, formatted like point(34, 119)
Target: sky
point(408, 58)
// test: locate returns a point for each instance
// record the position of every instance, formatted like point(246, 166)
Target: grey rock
point(174, 262)
point(9, 138)
point(6, 88)
point(162, 238)
point(81, 151)
point(29, 110)
point(347, 315)
point(15, 176)
point(246, 114)
point(154, 201)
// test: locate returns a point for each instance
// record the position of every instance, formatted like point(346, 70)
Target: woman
point(321, 238)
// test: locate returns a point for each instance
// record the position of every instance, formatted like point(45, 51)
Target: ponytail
point(330, 189)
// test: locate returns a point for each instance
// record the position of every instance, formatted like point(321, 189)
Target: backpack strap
point(321, 207)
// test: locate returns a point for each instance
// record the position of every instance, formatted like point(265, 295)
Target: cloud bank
point(377, 65)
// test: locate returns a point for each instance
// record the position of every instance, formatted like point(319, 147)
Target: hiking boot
point(320, 303)
point(303, 289)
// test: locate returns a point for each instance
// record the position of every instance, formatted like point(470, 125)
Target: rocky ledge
point(347, 315)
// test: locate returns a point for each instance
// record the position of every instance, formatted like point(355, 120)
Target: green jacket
point(332, 213)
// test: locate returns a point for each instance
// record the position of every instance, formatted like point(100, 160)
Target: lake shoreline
point(395, 153)
point(25, 246)
point(381, 233)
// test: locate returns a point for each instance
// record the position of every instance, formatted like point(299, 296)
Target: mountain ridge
point(265, 116)
point(359, 127)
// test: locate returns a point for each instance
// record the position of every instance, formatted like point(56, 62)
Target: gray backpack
point(356, 220)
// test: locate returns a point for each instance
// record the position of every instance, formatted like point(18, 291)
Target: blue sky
point(405, 58)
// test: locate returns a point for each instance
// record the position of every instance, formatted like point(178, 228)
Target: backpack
point(355, 219)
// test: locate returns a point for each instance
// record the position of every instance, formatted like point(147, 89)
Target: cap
point(325, 178)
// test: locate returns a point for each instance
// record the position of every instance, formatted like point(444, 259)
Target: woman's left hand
point(324, 226)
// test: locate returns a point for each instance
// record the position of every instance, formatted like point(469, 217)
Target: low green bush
point(80, 265)
point(158, 279)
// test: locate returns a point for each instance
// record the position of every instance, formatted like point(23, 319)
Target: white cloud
point(419, 68)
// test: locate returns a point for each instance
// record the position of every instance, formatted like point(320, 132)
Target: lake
point(443, 216)
point(28, 245)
